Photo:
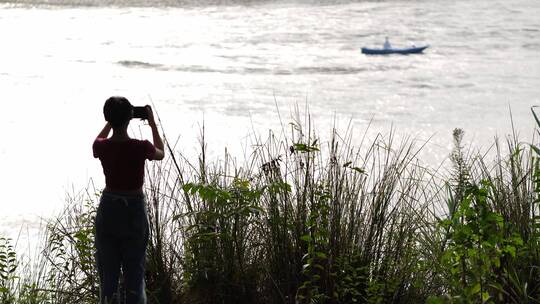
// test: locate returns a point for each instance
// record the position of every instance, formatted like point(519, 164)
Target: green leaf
point(187, 187)
point(534, 114)
point(535, 148)
point(304, 148)
point(306, 238)
point(445, 223)
point(511, 250)
point(485, 296)
point(359, 170)
point(475, 289)
point(194, 189)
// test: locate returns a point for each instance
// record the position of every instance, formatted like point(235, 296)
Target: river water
point(234, 64)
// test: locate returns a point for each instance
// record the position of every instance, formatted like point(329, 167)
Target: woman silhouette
point(121, 221)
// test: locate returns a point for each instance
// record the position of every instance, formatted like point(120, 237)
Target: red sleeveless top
point(123, 162)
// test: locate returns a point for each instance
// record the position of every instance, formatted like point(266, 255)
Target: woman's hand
point(158, 142)
point(150, 113)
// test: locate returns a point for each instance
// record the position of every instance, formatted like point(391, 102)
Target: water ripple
point(306, 70)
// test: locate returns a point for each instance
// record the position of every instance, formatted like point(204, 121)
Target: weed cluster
point(305, 222)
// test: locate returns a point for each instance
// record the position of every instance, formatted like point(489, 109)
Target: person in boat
point(121, 222)
point(386, 44)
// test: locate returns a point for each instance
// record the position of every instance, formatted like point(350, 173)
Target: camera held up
point(140, 112)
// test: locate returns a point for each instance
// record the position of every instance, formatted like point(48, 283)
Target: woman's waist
point(125, 194)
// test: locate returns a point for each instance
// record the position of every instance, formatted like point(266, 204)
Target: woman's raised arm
point(158, 142)
point(105, 131)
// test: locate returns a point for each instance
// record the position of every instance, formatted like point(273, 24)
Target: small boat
point(403, 51)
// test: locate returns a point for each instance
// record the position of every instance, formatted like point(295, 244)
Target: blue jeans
point(121, 240)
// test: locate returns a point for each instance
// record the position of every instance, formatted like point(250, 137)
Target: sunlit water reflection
point(234, 65)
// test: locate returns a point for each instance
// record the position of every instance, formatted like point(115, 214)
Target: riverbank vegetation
point(302, 221)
